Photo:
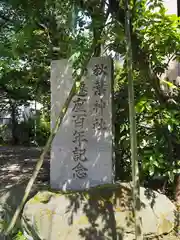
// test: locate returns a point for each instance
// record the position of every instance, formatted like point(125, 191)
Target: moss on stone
point(103, 205)
point(82, 220)
point(165, 224)
point(42, 197)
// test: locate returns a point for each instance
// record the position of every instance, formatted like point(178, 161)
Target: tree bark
point(13, 123)
point(177, 190)
point(132, 123)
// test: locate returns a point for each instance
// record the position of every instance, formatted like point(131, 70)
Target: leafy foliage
point(19, 236)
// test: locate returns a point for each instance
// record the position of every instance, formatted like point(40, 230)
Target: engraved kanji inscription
point(80, 171)
point(100, 69)
point(99, 106)
point(99, 124)
point(99, 87)
point(79, 105)
point(79, 137)
point(79, 120)
point(79, 154)
point(83, 90)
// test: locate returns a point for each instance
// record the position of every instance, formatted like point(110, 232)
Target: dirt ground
point(16, 167)
point(17, 164)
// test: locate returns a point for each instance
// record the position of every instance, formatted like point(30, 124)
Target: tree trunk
point(13, 123)
point(177, 198)
point(132, 124)
point(177, 190)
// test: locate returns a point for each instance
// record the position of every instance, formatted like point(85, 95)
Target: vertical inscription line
point(79, 134)
point(100, 89)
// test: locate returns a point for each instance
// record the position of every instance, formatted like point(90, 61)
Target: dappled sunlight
point(17, 164)
point(104, 212)
point(13, 167)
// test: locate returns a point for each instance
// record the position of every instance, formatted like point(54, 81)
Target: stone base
point(98, 214)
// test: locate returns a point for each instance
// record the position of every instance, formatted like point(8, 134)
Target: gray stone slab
point(81, 154)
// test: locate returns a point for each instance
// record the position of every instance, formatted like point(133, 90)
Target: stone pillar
point(173, 71)
point(81, 153)
point(171, 6)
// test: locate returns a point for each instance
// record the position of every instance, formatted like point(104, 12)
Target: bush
point(5, 133)
point(42, 130)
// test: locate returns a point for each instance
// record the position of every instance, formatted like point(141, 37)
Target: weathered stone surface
point(81, 152)
point(101, 213)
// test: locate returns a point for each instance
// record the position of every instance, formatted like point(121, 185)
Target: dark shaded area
point(178, 7)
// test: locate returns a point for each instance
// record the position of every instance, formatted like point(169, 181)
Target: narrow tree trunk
point(133, 135)
point(177, 190)
point(177, 198)
point(13, 123)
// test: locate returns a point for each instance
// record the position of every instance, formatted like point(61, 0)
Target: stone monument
point(81, 153)
point(173, 71)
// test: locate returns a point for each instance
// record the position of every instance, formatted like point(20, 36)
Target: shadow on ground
point(17, 164)
point(16, 167)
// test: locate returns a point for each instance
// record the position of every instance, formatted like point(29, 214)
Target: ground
point(17, 164)
point(16, 167)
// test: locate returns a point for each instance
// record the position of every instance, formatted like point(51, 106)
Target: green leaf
point(170, 84)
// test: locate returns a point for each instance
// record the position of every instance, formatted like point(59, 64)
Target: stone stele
point(81, 153)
